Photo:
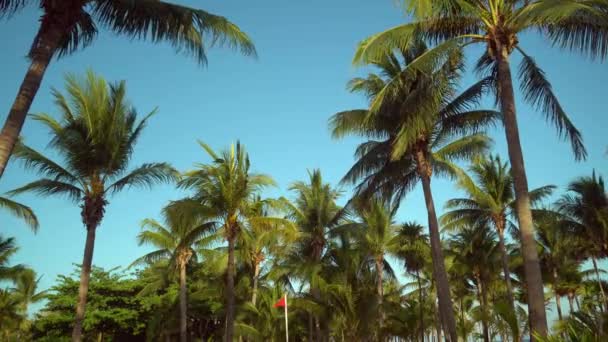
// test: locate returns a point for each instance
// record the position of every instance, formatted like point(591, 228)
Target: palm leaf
point(146, 176)
point(48, 187)
point(21, 211)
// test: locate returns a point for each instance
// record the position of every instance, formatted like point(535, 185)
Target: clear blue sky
point(277, 105)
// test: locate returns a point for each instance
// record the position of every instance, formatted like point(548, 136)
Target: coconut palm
point(375, 237)
point(26, 289)
point(490, 201)
point(175, 241)
point(572, 24)
point(95, 137)
point(225, 190)
point(315, 212)
point(474, 249)
point(21, 211)
point(416, 131)
point(69, 25)
point(7, 250)
point(415, 254)
point(586, 206)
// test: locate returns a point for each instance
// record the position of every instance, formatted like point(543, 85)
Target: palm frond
point(538, 92)
point(146, 176)
point(187, 29)
point(21, 211)
point(43, 165)
point(48, 187)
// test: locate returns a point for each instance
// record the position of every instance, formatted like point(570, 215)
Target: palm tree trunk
point(464, 332)
point(438, 323)
point(439, 273)
point(570, 303)
point(41, 55)
point(536, 302)
point(380, 292)
point(578, 304)
point(481, 296)
point(505, 267)
point(85, 274)
point(421, 300)
point(558, 304)
point(230, 290)
point(182, 303)
point(599, 282)
point(310, 338)
point(256, 276)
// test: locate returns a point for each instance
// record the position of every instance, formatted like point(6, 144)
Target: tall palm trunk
point(230, 289)
point(599, 282)
point(256, 278)
point(482, 297)
point(85, 274)
point(536, 302)
point(380, 292)
point(421, 300)
point(570, 303)
point(438, 323)
point(505, 263)
point(182, 303)
point(439, 273)
point(558, 304)
point(47, 41)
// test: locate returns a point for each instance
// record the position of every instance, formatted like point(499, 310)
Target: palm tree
point(26, 289)
point(496, 24)
point(95, 138)
point(586, 206)
point(415, 254)
point(474, 249)
point(175, 242)
point(376, 238)
point(315, 212)
point(7, 250)
point(490, 202)
point(69, 25)
point(21, 211)
point(225, 190)
point(420, 129)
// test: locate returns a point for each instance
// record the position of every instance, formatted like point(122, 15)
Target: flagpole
point(286, 322)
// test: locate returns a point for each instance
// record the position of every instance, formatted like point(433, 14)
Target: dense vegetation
point(488, 268)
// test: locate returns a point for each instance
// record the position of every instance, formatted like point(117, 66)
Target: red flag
point(280, 303)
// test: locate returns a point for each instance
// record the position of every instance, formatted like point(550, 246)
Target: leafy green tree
point(417, 129)
point(70, 25)
point(8, 248)
point(175, 241)
point(225, 190)
point(95, 137)
point(115, 311)
point(496, 25)
point(490, 201)
point(21, 211)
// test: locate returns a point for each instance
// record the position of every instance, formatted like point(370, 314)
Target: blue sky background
point(277, 105)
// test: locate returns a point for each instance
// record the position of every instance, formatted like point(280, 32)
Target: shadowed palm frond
point(48, 187)
point(146, 176)
point(21, 211)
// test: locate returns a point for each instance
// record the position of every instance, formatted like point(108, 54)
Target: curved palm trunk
point(380, 292)
point(40, 59)
point(183, 324)
point(505, 267)
point(256, 278)
point(230, 291)
point(83, 289)
point(536, 302)
point(421, 300)
point(570, 303)
point(439, 272)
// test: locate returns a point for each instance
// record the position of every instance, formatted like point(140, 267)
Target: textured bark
point(439, 272)
point(536, 302)
point(45, 44)
point(310, 330)
point(380, 293)
point(438, 323)
point(230, 291)
point(85, 274)
point(183, 304)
